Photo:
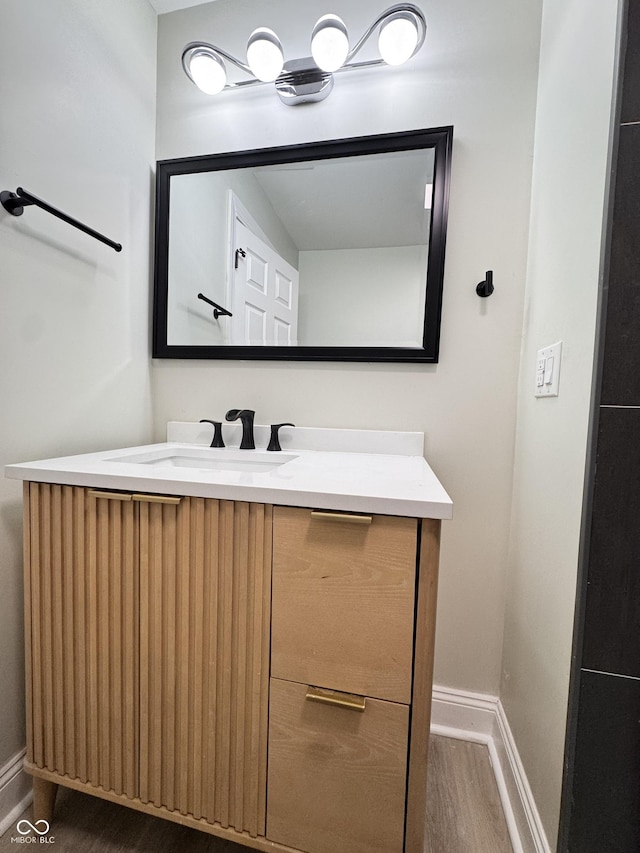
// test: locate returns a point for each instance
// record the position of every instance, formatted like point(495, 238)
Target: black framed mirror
point(327, 251)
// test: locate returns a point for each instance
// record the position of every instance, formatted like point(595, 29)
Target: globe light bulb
point(398, 39)
point(264, 54)
point(329, 43)
point(208, 72)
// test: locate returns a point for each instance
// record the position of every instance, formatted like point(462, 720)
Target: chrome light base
point(302, 82)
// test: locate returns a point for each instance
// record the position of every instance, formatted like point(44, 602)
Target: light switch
point(548, 370)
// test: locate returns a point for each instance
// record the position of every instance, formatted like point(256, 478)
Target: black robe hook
point(485, 288)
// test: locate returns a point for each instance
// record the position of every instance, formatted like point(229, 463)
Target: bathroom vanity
point(238, 641)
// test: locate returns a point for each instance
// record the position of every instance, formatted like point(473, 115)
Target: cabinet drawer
point(337, 776)
point(343, 602)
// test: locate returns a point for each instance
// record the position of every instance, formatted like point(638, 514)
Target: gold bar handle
point(157, 499)
point(350, 701)
point(110, 496)
point(343, 517)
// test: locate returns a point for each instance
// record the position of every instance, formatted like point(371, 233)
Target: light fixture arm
point(382, 17)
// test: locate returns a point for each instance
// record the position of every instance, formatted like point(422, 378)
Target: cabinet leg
point(44, 797)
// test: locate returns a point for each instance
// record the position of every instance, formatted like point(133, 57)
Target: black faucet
point(246, 416)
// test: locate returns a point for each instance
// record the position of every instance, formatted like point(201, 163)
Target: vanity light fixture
point(401, 33)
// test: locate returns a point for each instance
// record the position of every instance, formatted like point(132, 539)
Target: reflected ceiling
point(336, 204)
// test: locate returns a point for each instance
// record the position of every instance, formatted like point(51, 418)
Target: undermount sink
point(210, 459)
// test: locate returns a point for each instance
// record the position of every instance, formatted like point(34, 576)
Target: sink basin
point(210, 459)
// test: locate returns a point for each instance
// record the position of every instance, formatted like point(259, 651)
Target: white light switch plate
point(547, 379)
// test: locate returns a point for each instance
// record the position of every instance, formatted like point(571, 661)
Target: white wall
point(569, 177)
point(477, 72)
point(362, 297)
point(77, 89)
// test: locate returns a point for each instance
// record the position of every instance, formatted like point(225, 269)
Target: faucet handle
point(274, 441)
point(217, 440)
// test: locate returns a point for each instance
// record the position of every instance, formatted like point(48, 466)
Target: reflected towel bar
point(15, 203)
point(218, 310)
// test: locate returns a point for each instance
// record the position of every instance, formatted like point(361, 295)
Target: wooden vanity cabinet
point(343, 601)
point(81, 567)
point(205, 570)
point(344, 620)
point(148, 650)
point(337, 775)
point(169, 671)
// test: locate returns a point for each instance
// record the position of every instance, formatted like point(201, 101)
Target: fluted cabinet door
point(204, 659)
point(81, 578)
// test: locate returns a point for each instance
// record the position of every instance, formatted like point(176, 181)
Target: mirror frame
point(440, 139)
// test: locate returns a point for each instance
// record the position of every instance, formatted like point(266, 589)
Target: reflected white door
point(265, 294)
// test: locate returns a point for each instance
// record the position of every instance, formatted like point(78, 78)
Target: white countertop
point(395, 482)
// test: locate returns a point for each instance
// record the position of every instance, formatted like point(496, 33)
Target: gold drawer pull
point(343, 517)
point(110, 496)
point(333, 697)
point(157, 499)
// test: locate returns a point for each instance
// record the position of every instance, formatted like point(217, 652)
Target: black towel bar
point(15, 203)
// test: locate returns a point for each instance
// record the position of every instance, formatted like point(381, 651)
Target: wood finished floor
point(465, 815)
point(464, 809)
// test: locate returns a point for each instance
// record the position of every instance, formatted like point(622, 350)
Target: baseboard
point(481, 718)
point(518, 789)
point(15, 791)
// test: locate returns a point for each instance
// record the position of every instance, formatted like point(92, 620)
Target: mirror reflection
point(337, 255)
point(323, 253)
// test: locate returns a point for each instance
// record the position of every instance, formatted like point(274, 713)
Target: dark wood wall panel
point(601, 793)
